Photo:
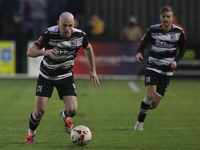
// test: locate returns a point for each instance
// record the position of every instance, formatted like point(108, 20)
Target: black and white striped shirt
point(61, 65)
point(164, 46)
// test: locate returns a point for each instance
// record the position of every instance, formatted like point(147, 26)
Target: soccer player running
point(61, 43)
point(166, 39)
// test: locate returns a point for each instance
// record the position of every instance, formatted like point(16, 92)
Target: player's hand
point(139, 57)
point(51, 53)
point(94, 78)
point(173, 65)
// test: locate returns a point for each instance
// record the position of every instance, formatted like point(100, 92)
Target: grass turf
point(109, 110)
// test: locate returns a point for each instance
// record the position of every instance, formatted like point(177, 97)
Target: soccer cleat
point(30, 139)
point(68, 124)
point(139, 126)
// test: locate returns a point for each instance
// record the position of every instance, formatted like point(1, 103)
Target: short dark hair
point(166, 8)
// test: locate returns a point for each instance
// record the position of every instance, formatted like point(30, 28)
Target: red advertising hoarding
point(111, 58)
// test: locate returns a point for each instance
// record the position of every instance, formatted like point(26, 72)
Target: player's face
point(166, 20)
point(65, 27)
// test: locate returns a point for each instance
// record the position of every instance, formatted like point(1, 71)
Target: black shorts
point(161, 81)
point(65, 87)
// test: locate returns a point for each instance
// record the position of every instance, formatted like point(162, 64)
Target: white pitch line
point(133, 86)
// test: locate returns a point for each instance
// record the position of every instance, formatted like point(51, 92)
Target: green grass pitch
point(109, 110)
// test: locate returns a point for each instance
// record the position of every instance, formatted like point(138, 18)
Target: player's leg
point(160, 90)
point(70, 110)
point(151, 82)
point(44, 91)
point(40, 108)
point(67, 93)
point(35, 117)
point(153, 98)
point(145, 106)
point(154, 94)
point(156, 101)
point(70, 103)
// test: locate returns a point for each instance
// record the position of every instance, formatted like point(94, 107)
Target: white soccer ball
point(81, 135)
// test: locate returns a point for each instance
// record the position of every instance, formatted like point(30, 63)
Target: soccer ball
point(81, 135)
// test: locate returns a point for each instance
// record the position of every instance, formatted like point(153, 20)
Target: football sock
point(143, 111)
point(65, 114)
point(33, 122)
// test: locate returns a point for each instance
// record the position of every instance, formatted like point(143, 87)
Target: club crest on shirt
point(39, 88)
point(73, 43)
point(172, 37)
point(148, 79)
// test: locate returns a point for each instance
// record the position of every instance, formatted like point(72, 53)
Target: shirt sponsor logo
point(65, 52)
point(159, 43)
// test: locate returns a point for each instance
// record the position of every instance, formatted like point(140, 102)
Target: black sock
point(66, 114)
point(33, 123)
point(143, 112)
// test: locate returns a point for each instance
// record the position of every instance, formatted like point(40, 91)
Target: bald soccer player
point(61, 43)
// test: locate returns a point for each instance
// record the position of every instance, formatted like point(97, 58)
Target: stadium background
point(115, 13)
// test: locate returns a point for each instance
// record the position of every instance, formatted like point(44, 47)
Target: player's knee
point(150, 97)
point(39, 114)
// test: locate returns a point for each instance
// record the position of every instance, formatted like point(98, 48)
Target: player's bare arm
point(90, 55)
point(139, 57)
point(34, 51)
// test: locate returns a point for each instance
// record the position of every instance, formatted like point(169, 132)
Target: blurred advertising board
point(190, 64)
point(7, 60)
point(111, 58)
